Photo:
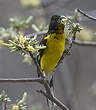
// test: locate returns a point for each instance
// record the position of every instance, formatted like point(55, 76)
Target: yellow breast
point(53, 52)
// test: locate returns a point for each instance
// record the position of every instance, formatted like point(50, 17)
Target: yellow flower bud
point(22, 39)
point(30, 48)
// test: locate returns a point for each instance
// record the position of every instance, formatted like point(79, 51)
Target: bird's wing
point(43, 42)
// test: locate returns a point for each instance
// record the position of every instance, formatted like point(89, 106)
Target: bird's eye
point(58, 20)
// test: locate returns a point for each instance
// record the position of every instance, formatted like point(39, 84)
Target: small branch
point(84, 43)
point(21, 80)
point(86, 15)
point(54, 99)
point(37, 33)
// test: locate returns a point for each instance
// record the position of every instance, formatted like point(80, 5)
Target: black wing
point(43, 42)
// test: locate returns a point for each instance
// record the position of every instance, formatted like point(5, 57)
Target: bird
point(50, 57)
point(54, 40)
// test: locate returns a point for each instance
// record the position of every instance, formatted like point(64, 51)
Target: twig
point(54, 99)
point(21, 80)
point(37, 33)
point(84, 43)
point(86, 15)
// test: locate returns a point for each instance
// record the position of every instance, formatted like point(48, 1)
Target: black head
point(57, 24)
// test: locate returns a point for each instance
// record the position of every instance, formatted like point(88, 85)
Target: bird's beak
point(63, 19)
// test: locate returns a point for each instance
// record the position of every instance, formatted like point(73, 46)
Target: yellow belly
point(52, 55)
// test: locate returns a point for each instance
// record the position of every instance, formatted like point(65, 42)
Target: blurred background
point(75, 78)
